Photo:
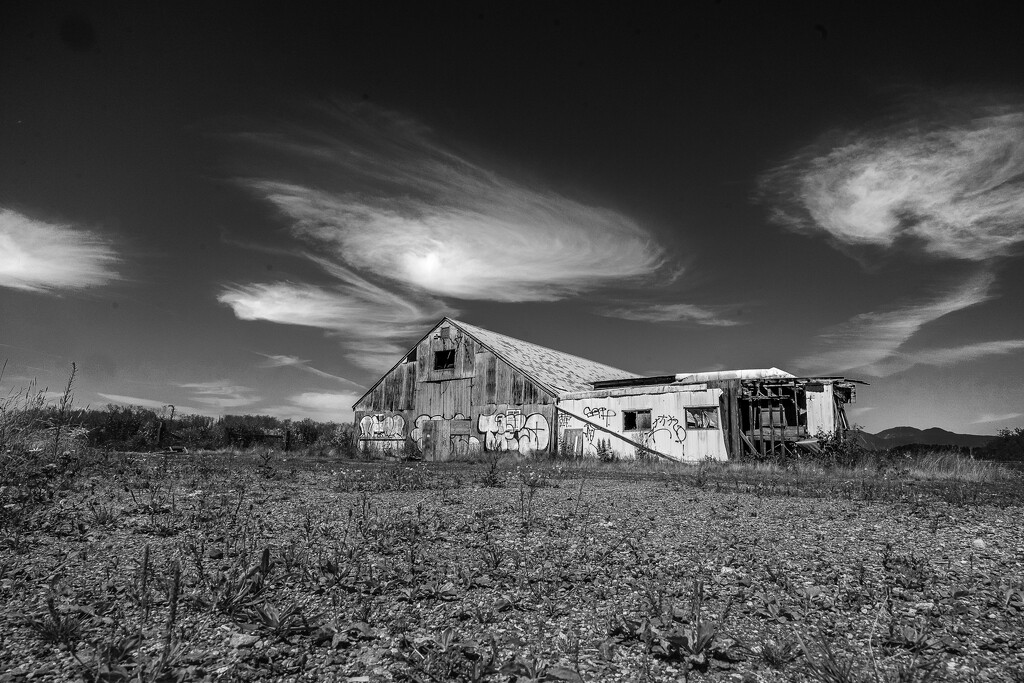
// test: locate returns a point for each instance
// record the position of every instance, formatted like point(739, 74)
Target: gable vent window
point(444, 360)
point(636, 420)
point(411, 358)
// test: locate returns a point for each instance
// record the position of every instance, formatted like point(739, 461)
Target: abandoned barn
point(463, 389)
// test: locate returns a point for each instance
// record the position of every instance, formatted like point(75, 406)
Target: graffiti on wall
point(419, 432)
point(461, 445)
point(599, 414)
point(383, 433)
point(512, 431)
point(381, 426)
point(665, 430)
point(457, 445)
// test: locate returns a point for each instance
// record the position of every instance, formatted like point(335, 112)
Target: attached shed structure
point(463, 389)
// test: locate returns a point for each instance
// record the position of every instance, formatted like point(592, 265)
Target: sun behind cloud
point(386, 197)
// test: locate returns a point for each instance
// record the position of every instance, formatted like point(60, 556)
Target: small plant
point(53, 627)
point(778, 653)
point(605, 452)
point(492, 477)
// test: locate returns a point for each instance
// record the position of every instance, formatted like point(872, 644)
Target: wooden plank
point(491, 380)
point(517, 388)
point(733, 389)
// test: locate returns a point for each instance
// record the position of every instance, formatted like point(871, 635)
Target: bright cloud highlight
point(391, 200)
point(952, 183)
point(36, 256)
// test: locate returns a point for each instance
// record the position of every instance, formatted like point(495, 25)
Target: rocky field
point(164, 568)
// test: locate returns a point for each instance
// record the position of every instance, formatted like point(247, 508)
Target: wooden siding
point(482, 403)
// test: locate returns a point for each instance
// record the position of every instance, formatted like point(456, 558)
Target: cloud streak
point(373, 321)
point(671, 313)
point(868, 340)
point(221, 394)
point(951, 184)
point(990, 417)
point(36, 256)
point(285, 361)
point(394, 201)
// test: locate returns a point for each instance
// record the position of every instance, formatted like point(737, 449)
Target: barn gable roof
point(556, 371)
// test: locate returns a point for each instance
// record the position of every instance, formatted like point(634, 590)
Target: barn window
point(411, 358)
point(702, 418)
point(636, 420)
point(444, 360)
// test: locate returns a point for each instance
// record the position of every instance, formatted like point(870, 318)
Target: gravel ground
point(401, 572)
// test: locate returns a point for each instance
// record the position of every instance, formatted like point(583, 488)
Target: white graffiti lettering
point(382, 426)
point(512, 431)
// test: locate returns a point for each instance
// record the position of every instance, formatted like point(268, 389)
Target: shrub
point(841, 450)
point(1008, 446)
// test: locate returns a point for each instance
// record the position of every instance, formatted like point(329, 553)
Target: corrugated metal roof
point(556, 370)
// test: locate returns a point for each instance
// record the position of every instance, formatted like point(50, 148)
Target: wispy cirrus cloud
point(390, 199)
point(672, 313)
point(286, 361)
point(37, 256)
point(965, 353)
point(221, 394)
point(870, 341)
point(372, 321)
point(951, 182)
point(991, 417)
point(318, 406)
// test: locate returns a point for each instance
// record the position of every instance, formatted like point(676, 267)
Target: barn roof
point(555, 370)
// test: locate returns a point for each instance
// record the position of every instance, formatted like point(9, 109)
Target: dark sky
point(239, 209)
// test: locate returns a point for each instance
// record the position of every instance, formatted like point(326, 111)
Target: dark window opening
point(702, 418)
point(636, 420)
point(444, 360)
point(411, 358)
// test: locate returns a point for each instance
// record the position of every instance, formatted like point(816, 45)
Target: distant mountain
point(935, 436)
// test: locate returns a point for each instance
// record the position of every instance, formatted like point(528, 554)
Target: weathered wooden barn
point(464, 389)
